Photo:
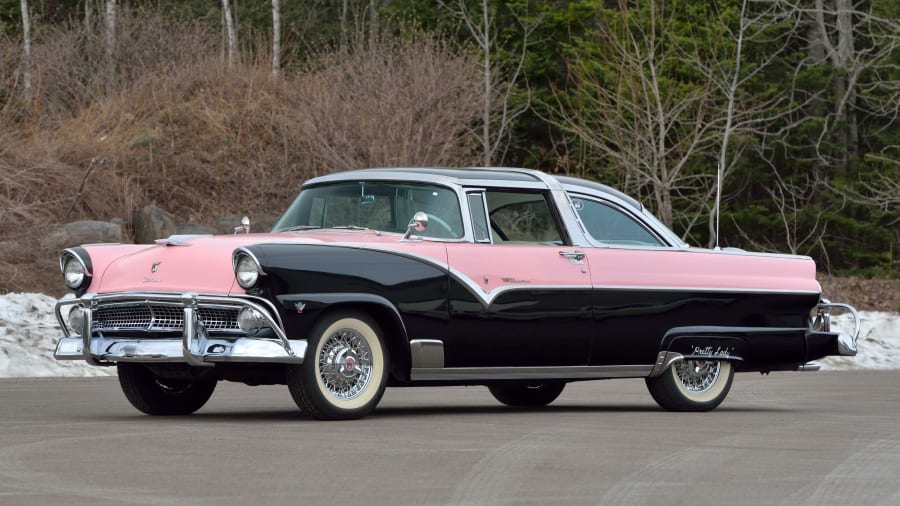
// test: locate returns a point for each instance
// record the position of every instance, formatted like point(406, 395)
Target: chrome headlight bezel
point(247, 270)
point(75, 265)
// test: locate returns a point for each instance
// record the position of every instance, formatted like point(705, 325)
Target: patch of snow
point(29, 333)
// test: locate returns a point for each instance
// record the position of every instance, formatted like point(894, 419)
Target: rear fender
point(700, 343)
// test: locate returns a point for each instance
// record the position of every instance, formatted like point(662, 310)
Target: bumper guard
point(195, 347)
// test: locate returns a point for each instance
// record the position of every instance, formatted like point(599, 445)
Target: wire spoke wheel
point(345, 371)
point(698, 376)
point(345, 364)
point(692, 385)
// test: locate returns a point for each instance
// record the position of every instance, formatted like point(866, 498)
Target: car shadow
point(390, 412)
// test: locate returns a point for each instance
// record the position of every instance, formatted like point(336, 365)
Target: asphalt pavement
point(785, 439)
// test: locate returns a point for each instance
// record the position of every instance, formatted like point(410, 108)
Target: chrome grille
point(159, 317)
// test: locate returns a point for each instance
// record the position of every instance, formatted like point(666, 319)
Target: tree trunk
point(486, 114)
point(373, 22)
point(343, 40)
point(110, 49)
point(231, 36)
point(276, 37)
point(26, 50)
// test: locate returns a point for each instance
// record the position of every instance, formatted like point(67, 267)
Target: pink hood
point(199, 264)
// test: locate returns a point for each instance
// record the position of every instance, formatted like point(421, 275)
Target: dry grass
point(178, 129)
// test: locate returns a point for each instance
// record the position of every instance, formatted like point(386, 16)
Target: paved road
point(789, 438)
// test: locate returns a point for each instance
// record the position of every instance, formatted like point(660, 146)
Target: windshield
point(376, 205)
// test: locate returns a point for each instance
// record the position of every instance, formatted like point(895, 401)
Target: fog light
point(76, 319)
point(250, 320)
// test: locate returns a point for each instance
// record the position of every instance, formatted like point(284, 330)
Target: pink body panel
point(492, 267)
point(703, 269)
point(203, 265)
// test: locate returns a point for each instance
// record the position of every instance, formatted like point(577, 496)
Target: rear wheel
point(345, 371)
point(692, 385)
point(527, 394)
point(155, 395)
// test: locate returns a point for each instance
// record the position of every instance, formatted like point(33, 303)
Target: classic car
point(514, 279)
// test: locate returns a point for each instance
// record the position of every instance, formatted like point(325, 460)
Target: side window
point(607, 224)
point(479, 220)
point(522, 217)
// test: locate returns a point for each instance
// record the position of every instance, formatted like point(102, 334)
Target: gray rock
point(151, 223)
point(82, 232)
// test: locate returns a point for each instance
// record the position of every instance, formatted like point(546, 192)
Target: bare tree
point(856, 42)
point(26, 50)
point(230, 34)
point(745, 113)
point(396, 103)
point(498, 110)
point(110, 47)
point(345, 7)
point(657, 128)
point(276, 37)
point(631, 119)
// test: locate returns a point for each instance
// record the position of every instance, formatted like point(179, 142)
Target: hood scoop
point(180, 240)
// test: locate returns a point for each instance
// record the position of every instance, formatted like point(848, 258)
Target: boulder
point(82, 232)
point(151, 223)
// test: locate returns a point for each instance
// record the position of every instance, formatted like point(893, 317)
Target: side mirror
point(245, 226)
point(419, 223)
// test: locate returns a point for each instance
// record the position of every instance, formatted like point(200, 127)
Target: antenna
point(718, 199)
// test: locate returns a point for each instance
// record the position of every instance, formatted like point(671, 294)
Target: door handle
point(576, 257)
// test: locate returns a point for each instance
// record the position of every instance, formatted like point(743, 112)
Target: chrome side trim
point(809, 367)
point(426, 353)
point(479, 374)
point(664, 360)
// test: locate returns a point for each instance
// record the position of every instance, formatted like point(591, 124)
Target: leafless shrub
point(69, 60)
point(203, 141)
point(387, 103)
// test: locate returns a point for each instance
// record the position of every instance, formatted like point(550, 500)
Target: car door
point(632, 309)
point(522, 297)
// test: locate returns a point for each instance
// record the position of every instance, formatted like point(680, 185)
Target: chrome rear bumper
point(195, 347)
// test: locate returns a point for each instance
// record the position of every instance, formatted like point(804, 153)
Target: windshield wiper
point(352, 227)
point(298, 227)
point(357, 227)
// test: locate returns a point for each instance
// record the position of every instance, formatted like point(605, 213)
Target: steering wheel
point(443, 224)
point(499, 231)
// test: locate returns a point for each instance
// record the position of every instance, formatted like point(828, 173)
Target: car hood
point(200, 264)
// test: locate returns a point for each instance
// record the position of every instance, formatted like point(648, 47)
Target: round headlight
point(246, 271)
point(74, 273)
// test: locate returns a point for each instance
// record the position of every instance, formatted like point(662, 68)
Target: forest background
point(220, 108)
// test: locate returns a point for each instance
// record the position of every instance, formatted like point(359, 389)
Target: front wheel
point(527, 394)
point(345, 371)
point(692, 385)
point(155, 395)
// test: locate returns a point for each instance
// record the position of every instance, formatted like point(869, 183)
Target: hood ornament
point(155, 266)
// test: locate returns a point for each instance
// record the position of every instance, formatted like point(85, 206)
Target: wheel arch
point(389, 321)
point(701, 342)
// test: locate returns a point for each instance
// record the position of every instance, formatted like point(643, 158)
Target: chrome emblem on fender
point(155, 266)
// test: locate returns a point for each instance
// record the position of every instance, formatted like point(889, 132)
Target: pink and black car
point(509, 278)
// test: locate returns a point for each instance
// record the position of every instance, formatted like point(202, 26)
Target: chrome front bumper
point(195, 346)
